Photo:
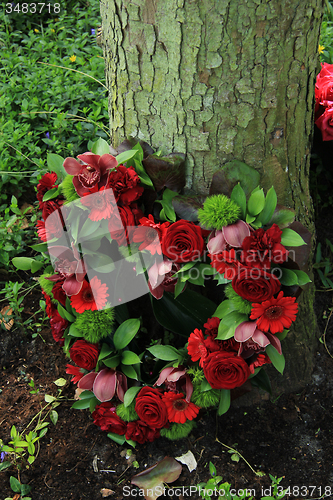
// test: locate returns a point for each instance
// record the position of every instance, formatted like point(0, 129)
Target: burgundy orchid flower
point(91, 173)
point(160, 277)
point(105, 384)
point(176, 379)
point(69, 267)
point(248, 331)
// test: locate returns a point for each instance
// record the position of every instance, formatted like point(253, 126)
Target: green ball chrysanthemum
point(68, 189)
point(95, 325)
point(127, 413)
point(46, 285)
point(218, 211)
point(241, 305)
point(205, 399)
point(178, 431)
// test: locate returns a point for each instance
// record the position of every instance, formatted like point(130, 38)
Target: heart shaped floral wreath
point(139, 270)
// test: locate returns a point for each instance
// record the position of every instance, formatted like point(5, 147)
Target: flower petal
point(105, 385)
point(216, 242)
point(275, 342)
point(260, 338)
point(245, 330)
point(234, 234)
point(87, 381)
point(72, 166)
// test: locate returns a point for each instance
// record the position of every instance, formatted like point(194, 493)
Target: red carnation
point(58, 327)
point(119, 224)
point(225, 262)
point(46, 183)
point(263, 247)
point(84, 354)
point(275, 315)
point(124, 182)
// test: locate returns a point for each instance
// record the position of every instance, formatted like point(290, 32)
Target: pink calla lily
point(87, 381)
point(234, 234)
point(216, 242)
point(105, 383)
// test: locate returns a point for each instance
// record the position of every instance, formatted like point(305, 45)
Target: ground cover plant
point(307, 455)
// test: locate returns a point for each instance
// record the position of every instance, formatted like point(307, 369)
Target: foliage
point(47, 108)
point(324, 264)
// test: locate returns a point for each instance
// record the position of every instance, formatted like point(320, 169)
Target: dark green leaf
point(55, 164)
point(15, 484)
point(126, 332)
point(239, 197)
point(65, 314)
point(23, 263)
point(229, 324)
point(116, 438)
point(269, 208)
point(262, 381)
point(302, 277)
point(282, 216)
point(4, 465)
point(224, 404)
point(168, 171)
point(125, 156)
point(290, 238)
point(105, 351)
point(256, 202)
point(182, 315)
point(288, 278)
point(81, 404)
point(164, 352)
point(112, 362)
point(52, 193)
point(39, 247)
point(129, 371)
point(130, 395)
point(223, 309)
point(187, 206)
point(130, 358)
point(226, 178)
point(277, 359)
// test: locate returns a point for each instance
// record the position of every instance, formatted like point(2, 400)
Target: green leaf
point(125, 156)
point(249, 218)
point(212, 469)
point(4, 465)
point(164, 352)
point(49, 399)
point(100, 147)
point(39, 247)
point(180, 285)
point(289, 277)
point(129, 371)
point(290, 238)
point(13, 432)
point(166, 203)
point(125, 333)
point(73, 331)
point(262, 381)
point(54, 417)
point(36, 265)
point(239, 197)
point(256, 202)
point(112, 362)
point(144, 177)
point(282, 335)
point(282, 217)
point(65, 314)
point(51, 193)
point(116, 438)
point(23, 263)
point(269, 208)
point(302, 277)
point(55, 164)
point(230, 174)
point(223, 309)
point(130, 358)
point(183, 314)
point(105, 351)
point(60, 382)
point(82, 404)
point(224, 404)
point(15, 484)
point(277, 359)
point(229, 324)
point(165, 471)
point(130, 395)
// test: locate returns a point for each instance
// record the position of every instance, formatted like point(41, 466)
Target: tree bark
point(221, 80)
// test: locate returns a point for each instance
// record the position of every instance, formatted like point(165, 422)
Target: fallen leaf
point(105, 492)
point(5, 312)
point(189, 460)
point(151, 481)
point(77, 393)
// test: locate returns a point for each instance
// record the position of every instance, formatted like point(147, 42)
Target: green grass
point(45, 108)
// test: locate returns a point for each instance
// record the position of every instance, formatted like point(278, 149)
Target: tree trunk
point(221, 80)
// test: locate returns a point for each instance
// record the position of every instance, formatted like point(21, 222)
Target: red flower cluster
point(324, 101)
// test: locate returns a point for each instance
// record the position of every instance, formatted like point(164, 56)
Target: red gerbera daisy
point(101, 204)
point(196, 347)
point(275, 314)
point(91, 296)
point(150, 234)
point(76, 371)
point(179, 410)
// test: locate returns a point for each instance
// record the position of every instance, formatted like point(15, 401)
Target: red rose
point(107, 419)
point(84, 354)
point(225, 370)
point(255, 285)
point(59, 293)
point(325, 123)
point(263, 247)
point(58, 327)
point(324, 84)
point(141, 432)
point(124, 182)
point(150, 408)
point(52, 219)
point(183, 242)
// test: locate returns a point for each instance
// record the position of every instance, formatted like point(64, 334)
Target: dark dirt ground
point(286, 435)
